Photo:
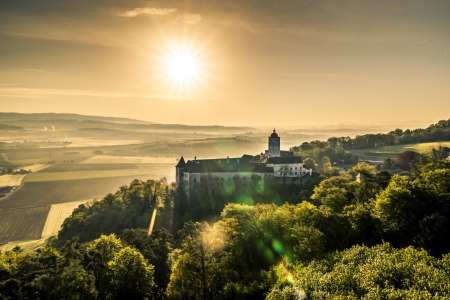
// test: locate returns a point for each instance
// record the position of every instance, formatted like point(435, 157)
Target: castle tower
point(180, 170)
point(274, 145)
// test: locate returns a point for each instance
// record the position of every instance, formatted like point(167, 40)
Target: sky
point(257, 62)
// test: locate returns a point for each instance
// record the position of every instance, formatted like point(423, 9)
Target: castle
point(274, 164)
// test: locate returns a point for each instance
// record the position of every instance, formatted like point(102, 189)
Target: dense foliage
point(380, 272)
point(130, 207)
point(103, 268)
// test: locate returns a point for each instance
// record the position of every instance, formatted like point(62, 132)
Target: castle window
point(295, 173)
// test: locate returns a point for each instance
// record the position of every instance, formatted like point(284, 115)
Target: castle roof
point(181, 163)
point(284, 160)
point(222, 165)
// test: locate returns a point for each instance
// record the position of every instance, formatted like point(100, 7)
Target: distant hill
point(67, 122)
point(57, 117)
point(11, 128)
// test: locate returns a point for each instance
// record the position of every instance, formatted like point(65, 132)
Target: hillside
point(63, 121)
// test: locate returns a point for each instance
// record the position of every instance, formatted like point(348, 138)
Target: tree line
point(435, 132)
point(361, 234)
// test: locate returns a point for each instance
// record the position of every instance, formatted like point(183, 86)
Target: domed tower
point(274, 145)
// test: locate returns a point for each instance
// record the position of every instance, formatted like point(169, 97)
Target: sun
point(182, 66)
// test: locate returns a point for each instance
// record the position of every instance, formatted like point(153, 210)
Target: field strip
point(11, 179)
point(75, 175)
point(22, 224)
point(34, 168)
point(111, 159)
point(56, 216)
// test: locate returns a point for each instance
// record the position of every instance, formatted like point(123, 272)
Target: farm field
point(381, 153)
point(23, 214)
point(27, 156)
point(421, 147)
point(151, 170)
point(22, 223)
point(34, 168)
point(56, 216)
point(113, 159)
point(33, 194)
point(11, 180)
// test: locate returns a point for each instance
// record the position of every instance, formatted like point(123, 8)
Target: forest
point(360, 234)
point(435, 132)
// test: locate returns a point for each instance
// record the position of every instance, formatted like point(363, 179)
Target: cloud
point(147, 11)
point(39, 71)
point(46, 93)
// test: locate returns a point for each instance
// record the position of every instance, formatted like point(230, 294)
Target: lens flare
point(182, 66)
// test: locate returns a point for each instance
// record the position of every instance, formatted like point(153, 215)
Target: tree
point(155, 249)
point(309, 163)
point(99, 253)
point(131, 275)
point(407, 160)
point(380, 272)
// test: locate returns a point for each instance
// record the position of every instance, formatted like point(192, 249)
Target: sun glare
point(182, 66)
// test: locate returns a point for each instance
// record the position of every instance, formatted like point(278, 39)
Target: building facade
point(246, 170)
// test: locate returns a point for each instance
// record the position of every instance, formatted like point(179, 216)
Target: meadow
point(382, 153)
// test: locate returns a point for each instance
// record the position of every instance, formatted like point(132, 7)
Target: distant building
point(274, 145)
point(274, 165)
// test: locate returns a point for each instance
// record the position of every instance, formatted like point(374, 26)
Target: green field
point(422, 147)
point(381, 153)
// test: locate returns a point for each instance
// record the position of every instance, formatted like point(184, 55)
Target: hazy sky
point(279, 62)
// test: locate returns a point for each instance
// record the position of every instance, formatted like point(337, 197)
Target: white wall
point(289, 170)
